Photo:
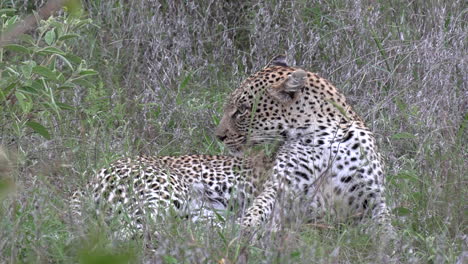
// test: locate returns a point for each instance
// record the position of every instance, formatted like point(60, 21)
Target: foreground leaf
point(17, 48)
point(45, 72)
point(38, 128)
point(50, 37)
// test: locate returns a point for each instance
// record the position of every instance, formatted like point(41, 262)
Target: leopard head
point(277, 103)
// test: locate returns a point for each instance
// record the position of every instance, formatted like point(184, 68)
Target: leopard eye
point(244, 108)
point(236, 113)
point(241, 110)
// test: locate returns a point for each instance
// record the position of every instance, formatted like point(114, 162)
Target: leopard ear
point(288, 90)
point(279, 60)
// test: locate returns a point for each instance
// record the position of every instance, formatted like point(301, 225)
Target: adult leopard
point(328, 158)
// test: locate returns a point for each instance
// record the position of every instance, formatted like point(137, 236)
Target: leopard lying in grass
point(328, 158)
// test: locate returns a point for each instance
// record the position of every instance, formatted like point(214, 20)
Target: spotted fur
point(328, 159)
point(194, 186)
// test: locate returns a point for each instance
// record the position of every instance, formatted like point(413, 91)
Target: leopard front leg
point(275, 189)
point(262, 206)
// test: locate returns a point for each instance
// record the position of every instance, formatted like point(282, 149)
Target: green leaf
point(8, 11)
point(401, 211)
point(17, 48)
point(295, 254)
point(68, 36)
point(88, 72)
point(74, 8)
point(26, 38)
point(84, 83)
point(82, 22)
point(407, 175)
point(38, 128)
point(23, 102)
point(12, 71)
point(28, 89)
point(73, 58)
point(49, 37)
point(185, 81)
point(221, 235)
point(461, 131)
point(67, 85)
point(27, 70)
point(10, 22)
point(65, 106)
point(9, 88)
point(219, 217)
point(60, 77)
point(37, 85)
point(156, 111)
point(403, 135)
point(417, 196)
point(6, 184)
point(170, 259)
point(50, 50)
point(45, 72)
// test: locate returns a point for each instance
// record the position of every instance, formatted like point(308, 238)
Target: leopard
point(145, 187)
point(328, 162)
point(324, 154)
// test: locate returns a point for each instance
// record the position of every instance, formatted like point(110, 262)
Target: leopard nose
point(221, 137)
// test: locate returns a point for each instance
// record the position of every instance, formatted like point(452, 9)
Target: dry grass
point(165, 69)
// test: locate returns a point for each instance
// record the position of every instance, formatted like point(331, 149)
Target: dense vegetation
point(122, 78)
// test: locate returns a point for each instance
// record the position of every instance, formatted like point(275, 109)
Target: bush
point(38, 74)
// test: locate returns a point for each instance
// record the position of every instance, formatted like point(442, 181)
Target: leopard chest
point(316, 164)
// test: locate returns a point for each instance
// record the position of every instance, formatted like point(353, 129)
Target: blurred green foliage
point(39, 72)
